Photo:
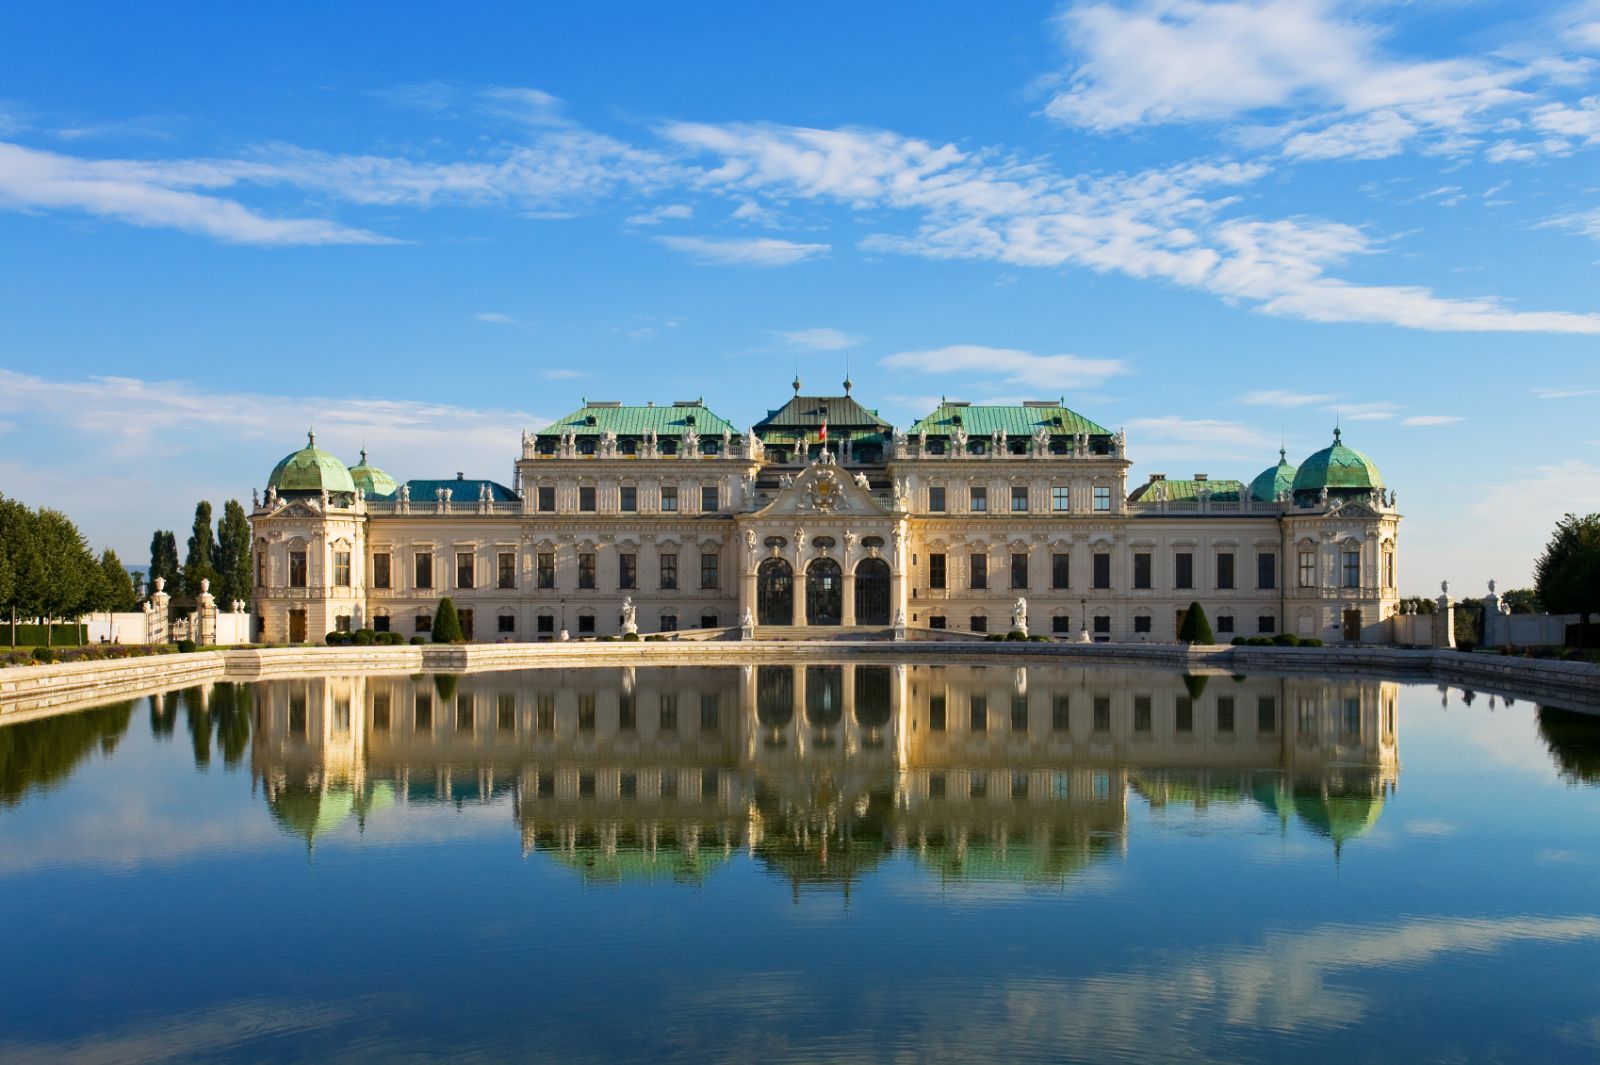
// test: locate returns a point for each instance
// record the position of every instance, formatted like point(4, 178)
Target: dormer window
point(669, 447)
point(629, 447)
point(586, 447)
point(590, 420)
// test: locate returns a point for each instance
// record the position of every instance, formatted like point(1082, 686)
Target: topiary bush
point(630, 637)
point(1196, 629)
point(1310, 641)
point(1286, 639)
point(419, 639)
point(1016, 634)
point(390, 639)
point(44, 654)
point(1259, 641)
point(1238, 641)
point(993, 637)
point(186, 647)
point(363, 637)
point(447, 624)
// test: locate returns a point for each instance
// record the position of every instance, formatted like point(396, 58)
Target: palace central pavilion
point(823, 517)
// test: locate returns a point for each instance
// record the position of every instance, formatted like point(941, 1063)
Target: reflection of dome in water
point(1338, 817)
point(825, 840)
point(310, 812)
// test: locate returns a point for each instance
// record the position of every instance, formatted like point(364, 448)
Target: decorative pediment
point(1355, 510)
point(300, 508)
point(824, 488)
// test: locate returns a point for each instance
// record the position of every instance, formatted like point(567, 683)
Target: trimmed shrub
point(1310, 641)
point(1286, 639)
point(1038, 639)
point(630, 637)
point(334, 638)
point(390, 639)
point(655, 638)
point(1259, 641)
point(364, 637)
point(419, 639)
point(44, 654)
point(993, 637)
point(446, 624)
point(186, 647)
point(1238, 641)
point(1196, 629)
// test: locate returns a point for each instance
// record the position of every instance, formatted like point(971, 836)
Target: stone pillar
point(1496, 627)
point(206, 616)
point(1444, 619)
point(800, 595)
point(847, 612)
point(747, 595)
point(157, 606)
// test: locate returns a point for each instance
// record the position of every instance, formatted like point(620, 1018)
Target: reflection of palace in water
point(821, 771)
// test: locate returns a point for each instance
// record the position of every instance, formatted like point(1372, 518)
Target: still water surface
point(814, 863)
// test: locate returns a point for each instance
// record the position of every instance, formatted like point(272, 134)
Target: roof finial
point(1335, 434)
point(796, 384)
point(363, 456)
point(311, 438)
point(847, 382)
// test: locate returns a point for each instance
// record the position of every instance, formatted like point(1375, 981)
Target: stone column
point(206, 616)
point(1444, 618)
point(800, 594)
point(847, 615)
point(157, 608)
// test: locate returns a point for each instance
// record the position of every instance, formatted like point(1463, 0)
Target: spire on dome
point(847, 384)
point(796, 384)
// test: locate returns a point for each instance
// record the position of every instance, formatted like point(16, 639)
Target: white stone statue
point(727, 443)
point(1041, 442)
point(1491, 587)
point(1322, 496)
point(630, 624)
point(747, 624)
point(786, 480)
point(862, 482)
point(897, 444)
point(255, 499)
point(900, 623)
point(323, 498)
point(405, 493)
point(272, 496)
point(958, 440)
point(1019, 615)
point(922, 442)
point(850, 539)
point(691, 444)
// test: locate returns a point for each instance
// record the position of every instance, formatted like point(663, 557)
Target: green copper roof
point(463, 490)
point(594, 419)
point(1337, 467)
point(805, 413)
point(1273, 481)
point(371, 480)
point(1180, 491)
point(1012, 420)
point(311, 470)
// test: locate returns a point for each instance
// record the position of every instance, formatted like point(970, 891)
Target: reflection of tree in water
point(223, 713)
point(40, 754)
point(1573, 738)
point(826, 837)
point(163, 714)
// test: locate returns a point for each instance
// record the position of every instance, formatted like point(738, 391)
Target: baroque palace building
point(822, 517)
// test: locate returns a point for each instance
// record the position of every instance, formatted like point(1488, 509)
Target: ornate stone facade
point(821, 517)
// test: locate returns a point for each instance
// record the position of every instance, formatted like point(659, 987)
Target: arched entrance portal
point(775, 593)
point(872, 592)
point(824, 593)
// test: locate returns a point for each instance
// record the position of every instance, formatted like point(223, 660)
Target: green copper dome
point(1337, 468)
point(371, 480)
point(1273, 481)
point(311, 470)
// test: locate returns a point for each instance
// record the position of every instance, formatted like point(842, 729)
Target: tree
point(163, 560)
point(199, 565)
point(233, 554)
point(446, 625)
point(1195, 629)
point(120, 594)
point(20, 550)
point(1567, 575)
point(70, 581)
point(1521, 601)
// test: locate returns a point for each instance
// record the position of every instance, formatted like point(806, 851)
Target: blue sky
point(425, 228)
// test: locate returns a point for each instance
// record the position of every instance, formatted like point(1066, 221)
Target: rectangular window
point(980, 623)
point(628, 499)
point(1060, 570)
point(936, 498)
point(1266, 569)
point(708, 621)
point(261, 569)
point(380, 623)
point(1352, 569)
point(978, 714)
point(1102, 713)
point(1388, 569)
point(506, 569)
point(1141, 713)
point(1102, 497)
point(1224, 569)
point(710, 712)
point(669, 498)
point(1141, 569)
point(1183, 570)
point(936, 571)
point(297, 569)
point(341, 569)
point(1102, 624)
point(1141, 623)
point(1102, 569)
point(710, 571)
point(1224, 624)
point(1308, 569)
point(545, 623)
point(382, 574)
point(1266, 624)
point(1183, 718)
point(669, 572)
point(1019, 499)
point(586, 498)
point(1266, 713)
point(1224, 713)
point(1060, 624)
point(464, 568)
point(1060, 498)
point(979, 571)
point(936, 711)
point(1019, 571)
point(669, 623)
point(936, 621)
point(424, 569)
point(423, 623)
point(978, 499)
point(710, 499)
point(545, 569)
point(586, 623)
point(1060, 713)
point(547, 498)
point(628, 571)
point(586, 570)
point(506, 623)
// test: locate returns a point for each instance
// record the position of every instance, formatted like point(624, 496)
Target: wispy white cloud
point(656, 215)
point(744, 251)
point(495, 318)
point(1008, 366)
point(1381, 411)
point(562, 375)
point(1564, 393)
point(1420, 420)
point(1278, 398)
point(821, 339)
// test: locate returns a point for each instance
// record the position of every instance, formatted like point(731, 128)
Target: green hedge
point(64, 635)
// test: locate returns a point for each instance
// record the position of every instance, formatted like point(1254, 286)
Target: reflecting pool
point(846, 862)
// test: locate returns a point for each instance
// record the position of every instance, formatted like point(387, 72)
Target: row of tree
point(221, 556)
point(47, 570)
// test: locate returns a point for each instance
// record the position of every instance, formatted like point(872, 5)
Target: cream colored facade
point(880, 530)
